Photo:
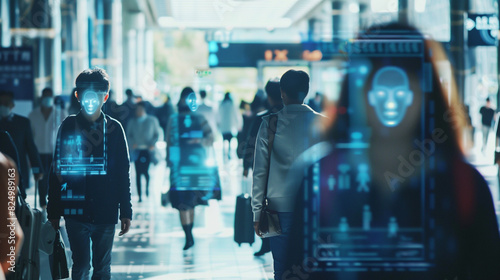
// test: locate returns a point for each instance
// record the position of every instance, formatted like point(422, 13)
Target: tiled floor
point(153, 247)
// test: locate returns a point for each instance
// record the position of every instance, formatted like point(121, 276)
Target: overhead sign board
point(16, 72)
point(482, 29)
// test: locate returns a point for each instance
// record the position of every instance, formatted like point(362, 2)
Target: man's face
point(92, 101)
point(390, 95)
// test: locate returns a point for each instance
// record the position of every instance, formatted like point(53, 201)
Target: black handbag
point(269, 223)
point(60, 263)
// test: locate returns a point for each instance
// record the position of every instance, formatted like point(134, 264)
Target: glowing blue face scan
point(91, 101)
point(192, 102)
point(390, 95)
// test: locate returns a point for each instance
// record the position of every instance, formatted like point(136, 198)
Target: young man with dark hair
point(19, 128)
point(294, 133)
point(89, 182)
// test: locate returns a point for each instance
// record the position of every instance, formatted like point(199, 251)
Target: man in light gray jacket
point(296, 131)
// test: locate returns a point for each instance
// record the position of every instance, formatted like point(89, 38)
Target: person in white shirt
point(230, 121)
point(45, 121)
point(143, 132)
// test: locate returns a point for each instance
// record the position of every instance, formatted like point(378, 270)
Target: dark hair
point(141, 104)
point(95, 78)
point(129, 93)
point(488, 99)
point(273, 91)
point(7, 93)
point(47, 90)
point(203, 94)
point(295, 84)
point(227, 96)
point(181, 106)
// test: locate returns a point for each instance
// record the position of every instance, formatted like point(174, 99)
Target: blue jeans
point(279, 244)
point(80, 234)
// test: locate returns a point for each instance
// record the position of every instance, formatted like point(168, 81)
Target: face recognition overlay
point(354, 222)
point(193, 167)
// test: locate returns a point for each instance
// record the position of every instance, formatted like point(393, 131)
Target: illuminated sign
point(16, 72)
point(482, 29)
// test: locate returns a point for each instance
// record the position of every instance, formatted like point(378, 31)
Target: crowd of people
point(284, 144)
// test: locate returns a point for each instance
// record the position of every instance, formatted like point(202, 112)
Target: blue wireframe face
point(92, 101)
point(192, 102)
point(390, 95)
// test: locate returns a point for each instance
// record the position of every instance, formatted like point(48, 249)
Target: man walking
point(19, 128)
point(143, 132)
point(487, 114)
point(294, 134)
point(89, 182)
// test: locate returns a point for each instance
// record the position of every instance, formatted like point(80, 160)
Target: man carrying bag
point(294, 132)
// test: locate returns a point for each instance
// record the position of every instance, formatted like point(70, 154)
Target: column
point(458, 46)
point(105, 45)
point(74, 30)
point(5, 24)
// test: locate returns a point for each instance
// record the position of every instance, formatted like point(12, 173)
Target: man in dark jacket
point(19, 129)
point(89, 181)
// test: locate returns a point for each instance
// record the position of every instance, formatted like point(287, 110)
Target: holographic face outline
point(390, 95)
point(192, 101)
point(92, 101)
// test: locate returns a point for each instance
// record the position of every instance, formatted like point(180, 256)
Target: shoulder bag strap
point(271, 132)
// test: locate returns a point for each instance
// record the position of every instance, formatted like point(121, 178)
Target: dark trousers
point(279, 244)
point(142, 168)
point(43, 185)
point(80, 234)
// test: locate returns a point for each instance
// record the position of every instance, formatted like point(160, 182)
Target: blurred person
point(189, 143)
point(487, 115)
point(405, 168)
point(229, 122)
point(293, 135)
point(143, 132)
point(91, 200)
point(163, 115)
point(247, 116)
point(127, 108)
point(207, 110)
point(19, 128)
point(74, 105)
point(11, 234)
point(59, 102)
point(275, 104)
point(45, 121)
point(110, 107)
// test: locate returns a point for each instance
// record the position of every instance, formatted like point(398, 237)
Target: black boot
point(265, 248)
point(188, 231)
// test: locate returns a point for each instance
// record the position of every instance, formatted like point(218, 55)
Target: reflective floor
point(153, 247)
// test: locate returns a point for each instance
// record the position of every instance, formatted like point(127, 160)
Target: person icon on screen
point(343, 225)
point(363, 178)
point(390, 95)
point(393, 228)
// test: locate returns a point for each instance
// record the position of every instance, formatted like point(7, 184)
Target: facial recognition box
point(357, 218)
point(193, 167)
